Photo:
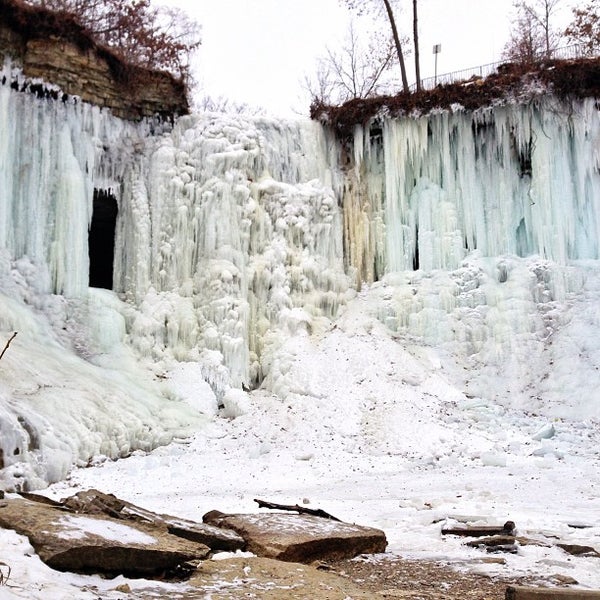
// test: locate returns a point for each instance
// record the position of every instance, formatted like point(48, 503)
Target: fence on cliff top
point(564, 53)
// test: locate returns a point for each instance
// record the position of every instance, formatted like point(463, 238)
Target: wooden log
point(494, 540)
point(578, 550)
point(538, 593)
point(496, 543)
point(481, 530)
point(302, 510)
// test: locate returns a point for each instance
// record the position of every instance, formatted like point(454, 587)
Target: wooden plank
point(537, 593)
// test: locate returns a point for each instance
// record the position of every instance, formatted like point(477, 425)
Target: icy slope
point(373, 427)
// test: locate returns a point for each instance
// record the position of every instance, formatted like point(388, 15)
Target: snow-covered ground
point(373, 426)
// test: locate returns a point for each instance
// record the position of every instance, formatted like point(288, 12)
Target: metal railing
point(564, 52)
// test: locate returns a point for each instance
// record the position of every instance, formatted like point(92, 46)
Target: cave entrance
point(101, 239)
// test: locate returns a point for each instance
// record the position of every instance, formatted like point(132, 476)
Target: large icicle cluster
point(53, 153)
point(484, 230)
point(231, 237)
point(69, 388)
point(235, 237)
point(518, 179)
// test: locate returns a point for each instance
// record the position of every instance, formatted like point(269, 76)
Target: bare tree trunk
point(416, 42)
point(390, 14)
point(547, 27)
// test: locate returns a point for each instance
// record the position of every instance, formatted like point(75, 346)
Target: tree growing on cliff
point(161, 38)
point(377, 7)
point(533, 36)
point(585, 27)
point(356, 70)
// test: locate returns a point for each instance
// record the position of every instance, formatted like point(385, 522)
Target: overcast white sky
point(256, 51)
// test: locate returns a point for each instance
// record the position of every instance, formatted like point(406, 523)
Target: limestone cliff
point(60, 51)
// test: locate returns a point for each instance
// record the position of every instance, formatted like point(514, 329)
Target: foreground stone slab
point(270, 579)
point(530, 593)
point(89, 544)
point(300, 538)
point(98, 503)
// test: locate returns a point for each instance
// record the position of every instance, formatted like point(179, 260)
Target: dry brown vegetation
point(35, 23)
point(565, 78)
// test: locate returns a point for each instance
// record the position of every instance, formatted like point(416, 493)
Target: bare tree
point(376, 6)
point(222, 104)
point(152, 37)
point(532, 36)
point(416, 45)
point(356, 70)
point(585, 27)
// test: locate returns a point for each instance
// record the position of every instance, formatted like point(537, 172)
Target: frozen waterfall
point(520, 179)
point(228, 240)
point(475, 233)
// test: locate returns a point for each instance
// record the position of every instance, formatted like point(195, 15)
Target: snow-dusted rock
point(98, 503)
point(301, 538)
point(85, 543)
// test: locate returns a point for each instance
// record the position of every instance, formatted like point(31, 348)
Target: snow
point(377, 432)
point(389, 396)
point(77, 527)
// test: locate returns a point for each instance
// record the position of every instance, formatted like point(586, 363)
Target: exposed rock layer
point(62, 53)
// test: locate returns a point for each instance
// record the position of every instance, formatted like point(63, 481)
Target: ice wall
point(483, 230)
point(70, 389)
point(235, 234)
point(228, 240)
point(231, 239)
point(519, 179)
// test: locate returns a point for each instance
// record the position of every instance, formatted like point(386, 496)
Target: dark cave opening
point(101, 239)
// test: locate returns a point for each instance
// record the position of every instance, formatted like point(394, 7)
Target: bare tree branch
point(155, 38)
point(356, 70)
point(14, 335)
point(378, 7)
point(532, 36)
point(585, 27)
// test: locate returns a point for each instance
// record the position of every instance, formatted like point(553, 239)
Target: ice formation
point(519, 179)
point(233, 235)
point(228, 240)
point(483, 230)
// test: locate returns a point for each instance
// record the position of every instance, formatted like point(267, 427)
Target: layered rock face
point(67, 57)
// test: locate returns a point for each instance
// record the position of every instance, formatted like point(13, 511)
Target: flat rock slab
point(270, 579)
point(531, 593)
point(95, 502)
point(91, 544)
point(300, 538)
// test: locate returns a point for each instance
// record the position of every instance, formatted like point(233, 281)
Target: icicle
point(516, 179)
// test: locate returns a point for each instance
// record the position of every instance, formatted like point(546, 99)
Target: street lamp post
point(436, 50)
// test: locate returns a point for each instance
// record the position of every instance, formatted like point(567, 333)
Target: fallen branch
point(481, 530)
point(315, 512)
point(14, 335)
point(4, 578)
